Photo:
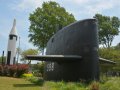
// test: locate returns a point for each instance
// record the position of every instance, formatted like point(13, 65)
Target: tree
point(108, 29)
point(45, 21)
point(28, 52)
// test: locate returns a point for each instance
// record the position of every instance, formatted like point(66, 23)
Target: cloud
point(28, 5)
point(88, 8)
point(80, 1)
point(100, 6)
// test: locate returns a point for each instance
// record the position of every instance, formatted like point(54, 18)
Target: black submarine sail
point(72, 53)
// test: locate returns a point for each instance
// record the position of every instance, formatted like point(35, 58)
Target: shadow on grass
point(33, 84)
point(25, 85)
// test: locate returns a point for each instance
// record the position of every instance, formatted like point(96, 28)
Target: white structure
point(11, 50)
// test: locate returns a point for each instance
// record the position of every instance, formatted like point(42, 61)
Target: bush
point(1, 70)
point(5, 70)
point(27, 75)
point(38, 69)
point(13, 70)
point(36, 80)
point(37, 73)
point(21, 69)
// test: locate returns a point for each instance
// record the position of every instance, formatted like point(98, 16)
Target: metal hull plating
point(80, 38)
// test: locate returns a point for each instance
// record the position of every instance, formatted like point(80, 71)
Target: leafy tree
point(45, 21)
point(108, 29)
point(28, 52)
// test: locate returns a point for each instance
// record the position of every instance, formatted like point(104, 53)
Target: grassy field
point(7, 83)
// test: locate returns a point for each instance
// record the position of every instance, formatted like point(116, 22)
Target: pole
point(18, 50)
point(2, 57)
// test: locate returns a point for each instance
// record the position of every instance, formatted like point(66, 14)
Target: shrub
point(21, 69)
point(1, 70)
point(5, 70)
point(37, 73)
point(27, 75)
point(12, 70)
point(36, 80)
point(38, 69)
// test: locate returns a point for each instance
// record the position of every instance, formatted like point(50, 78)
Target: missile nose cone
point(14, 22)
point(13, 30)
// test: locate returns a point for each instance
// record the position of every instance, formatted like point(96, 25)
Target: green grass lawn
point(8, 83)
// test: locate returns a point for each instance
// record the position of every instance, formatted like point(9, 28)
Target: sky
point(20, 10)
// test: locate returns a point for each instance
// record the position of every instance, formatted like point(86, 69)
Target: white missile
point(11, 50)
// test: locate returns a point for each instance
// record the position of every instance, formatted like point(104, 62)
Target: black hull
point(80, 38)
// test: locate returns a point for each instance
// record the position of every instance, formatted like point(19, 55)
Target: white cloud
point(89, 8)
point(28, 5)
point(80, 1)
point(100, 6)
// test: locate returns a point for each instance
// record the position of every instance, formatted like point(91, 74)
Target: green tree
point(108, 29)
point(28, 52)
point(45, 21)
